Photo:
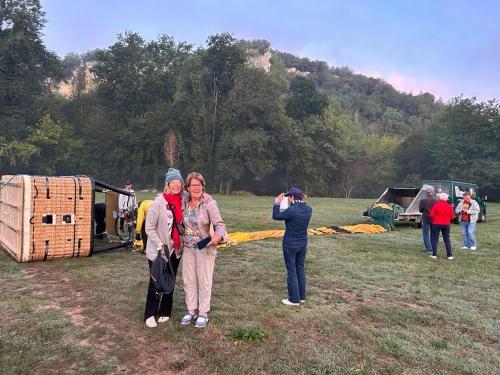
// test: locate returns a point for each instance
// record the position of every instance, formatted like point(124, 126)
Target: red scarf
point(175, 205)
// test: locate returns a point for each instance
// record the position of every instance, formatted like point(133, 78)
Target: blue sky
point(444, 47)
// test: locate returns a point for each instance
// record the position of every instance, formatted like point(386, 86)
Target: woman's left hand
point(215, 240)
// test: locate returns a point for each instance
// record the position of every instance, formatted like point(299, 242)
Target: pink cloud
point(417, 85)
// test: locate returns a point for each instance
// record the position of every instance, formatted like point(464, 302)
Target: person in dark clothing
point(100, 217)
point(297, 217)
point(424, 207)
point(441, 214)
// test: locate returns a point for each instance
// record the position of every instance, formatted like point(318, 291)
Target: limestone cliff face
point(261, 61)
point(294, 72)
point(264, 62)
point(81, 78)
point(84, 80)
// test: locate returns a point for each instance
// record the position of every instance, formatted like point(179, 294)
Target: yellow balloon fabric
point(241, 237)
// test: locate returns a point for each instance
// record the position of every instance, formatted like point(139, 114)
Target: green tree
point(222, 59)
point(412, 158)
point(133, 75)
point(251, 120)
point(304, 100)
point(26, 66)
point(27, 70)
point(464, 143)
point(55, 147)
point(393, 122)
point(315, 150)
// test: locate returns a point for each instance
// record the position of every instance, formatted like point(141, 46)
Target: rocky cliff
point(81, 79)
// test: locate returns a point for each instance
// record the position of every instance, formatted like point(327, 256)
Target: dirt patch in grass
point(346, 295)
point(357, 301)
point(110, 337)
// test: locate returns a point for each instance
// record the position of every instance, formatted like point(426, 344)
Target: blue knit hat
point(173, 174)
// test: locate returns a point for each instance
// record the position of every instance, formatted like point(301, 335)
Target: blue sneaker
point(201, 322)
point(186, 319)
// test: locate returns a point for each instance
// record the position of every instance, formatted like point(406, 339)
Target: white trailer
point(407, 198)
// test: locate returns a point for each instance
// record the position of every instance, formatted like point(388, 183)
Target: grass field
point(376, 304)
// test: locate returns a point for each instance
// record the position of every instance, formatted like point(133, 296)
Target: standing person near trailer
point(163, 235)
point(425, 206)
point(441, 215)
point(125, 202)
point(200, 215)
point(297, 217)
point(468, 212)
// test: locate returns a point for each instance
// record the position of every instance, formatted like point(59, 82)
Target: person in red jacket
point(441, 214)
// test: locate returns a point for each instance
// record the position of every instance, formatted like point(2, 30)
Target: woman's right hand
point(280, 197)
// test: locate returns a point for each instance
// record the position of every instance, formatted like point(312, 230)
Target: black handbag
point(162, 274)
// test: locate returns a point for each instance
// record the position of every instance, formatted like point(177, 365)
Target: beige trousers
point(197, 275)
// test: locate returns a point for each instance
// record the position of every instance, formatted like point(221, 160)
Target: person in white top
point(125, 203)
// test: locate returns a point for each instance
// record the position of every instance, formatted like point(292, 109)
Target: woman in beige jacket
point(200, 213)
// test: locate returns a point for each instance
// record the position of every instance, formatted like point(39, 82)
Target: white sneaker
point(288, 303)
point(464, 248)
point(302, 301)
point(163, 319)
point(473, 248)
point(151, 322)
point(433, 257)
point(450, 258)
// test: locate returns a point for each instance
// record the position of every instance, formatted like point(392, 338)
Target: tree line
point(160, 103)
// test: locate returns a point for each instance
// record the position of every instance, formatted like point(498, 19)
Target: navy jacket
point(297, 218)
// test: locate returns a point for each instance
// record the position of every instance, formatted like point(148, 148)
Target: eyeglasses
point(196, 185)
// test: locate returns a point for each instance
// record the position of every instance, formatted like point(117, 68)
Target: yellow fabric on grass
point(241, 237)
point(382, 205)
point(321, 230)
point(364, 228)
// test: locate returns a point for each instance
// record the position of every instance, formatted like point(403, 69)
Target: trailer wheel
point(482, 216)
point(419, 225)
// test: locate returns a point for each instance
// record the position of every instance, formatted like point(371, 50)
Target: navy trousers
point(295, 257)
point(445, 230)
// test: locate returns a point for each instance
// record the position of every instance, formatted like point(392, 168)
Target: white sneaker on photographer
point(473, 247)
point(289, 303)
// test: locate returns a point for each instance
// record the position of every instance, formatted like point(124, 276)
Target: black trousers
point(445, 230)
point(153, 306)
point(99, 217)
point(144, 236)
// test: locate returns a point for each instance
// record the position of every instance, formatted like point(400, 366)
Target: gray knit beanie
point(173, 174)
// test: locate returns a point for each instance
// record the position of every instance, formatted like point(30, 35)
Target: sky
point(446, 47)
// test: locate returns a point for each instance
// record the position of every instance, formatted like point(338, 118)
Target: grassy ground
point(376, 304)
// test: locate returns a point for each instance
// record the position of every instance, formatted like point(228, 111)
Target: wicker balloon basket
point(43, 218)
